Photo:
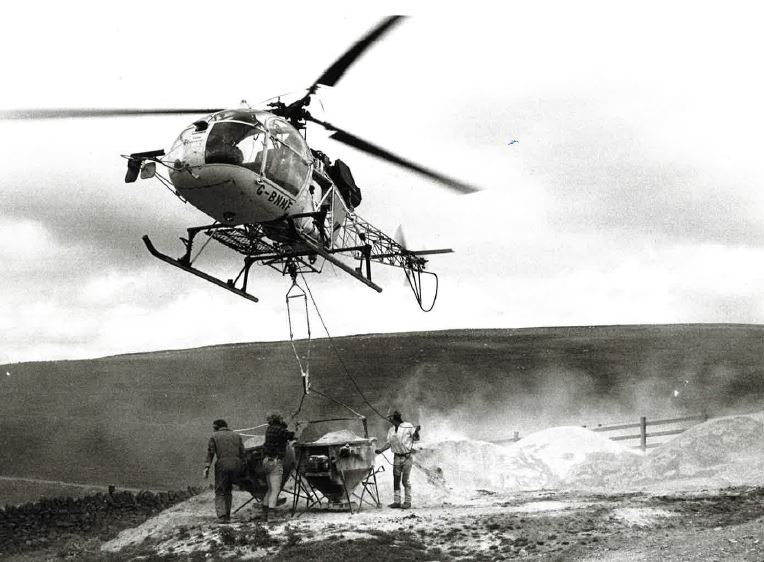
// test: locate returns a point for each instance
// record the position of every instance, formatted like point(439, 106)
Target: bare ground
point(702, 525)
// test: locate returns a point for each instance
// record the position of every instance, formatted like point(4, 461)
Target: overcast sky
point(634, 194)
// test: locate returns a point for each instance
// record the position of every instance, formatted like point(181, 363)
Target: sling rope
point(347, 373)
point(297, 292)
point(337, 353)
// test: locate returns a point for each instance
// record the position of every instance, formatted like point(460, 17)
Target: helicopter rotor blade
point(63, 113)
point(333, 74)
point(365, 146)
point(295, 110)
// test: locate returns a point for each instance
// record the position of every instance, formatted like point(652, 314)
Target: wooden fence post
point(643, 433)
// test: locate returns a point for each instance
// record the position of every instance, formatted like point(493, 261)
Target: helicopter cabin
point(246, 166)
point(241, 166)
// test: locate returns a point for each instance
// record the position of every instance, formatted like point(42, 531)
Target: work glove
point(206, 472)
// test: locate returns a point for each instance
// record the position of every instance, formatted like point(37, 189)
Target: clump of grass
point(293, 537)
point(260, 536)
point(228, 536)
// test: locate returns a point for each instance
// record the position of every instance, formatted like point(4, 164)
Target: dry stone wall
point(44, 522)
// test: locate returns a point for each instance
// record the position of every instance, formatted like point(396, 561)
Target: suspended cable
point(336, 352)
point(251, 428)
point(304, 370)
point(339, 403)
point(299, 406)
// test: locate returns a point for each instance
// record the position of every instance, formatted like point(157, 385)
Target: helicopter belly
point(232, 194)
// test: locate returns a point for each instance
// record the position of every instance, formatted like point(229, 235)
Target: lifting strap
point(296, 292)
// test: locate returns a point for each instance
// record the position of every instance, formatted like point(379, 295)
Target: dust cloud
point(456, 407)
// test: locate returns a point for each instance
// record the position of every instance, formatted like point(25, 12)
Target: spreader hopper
point(336, 464)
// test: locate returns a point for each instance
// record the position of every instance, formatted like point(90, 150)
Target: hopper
point(336, 464)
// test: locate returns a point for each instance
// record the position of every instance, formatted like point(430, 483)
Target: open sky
point(633, 195)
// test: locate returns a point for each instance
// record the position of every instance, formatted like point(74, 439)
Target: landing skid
point(349, 270)
point(181, 264)
point(290, 251)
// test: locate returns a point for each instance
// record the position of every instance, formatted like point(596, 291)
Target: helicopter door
point(287, 163)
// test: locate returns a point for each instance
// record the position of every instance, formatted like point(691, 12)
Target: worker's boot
point(396, 500)
point(406, 505)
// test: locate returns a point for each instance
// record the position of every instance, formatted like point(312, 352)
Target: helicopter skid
point(186, 267)
point(349, 270)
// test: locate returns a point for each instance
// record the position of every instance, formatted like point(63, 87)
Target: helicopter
point(273, 199)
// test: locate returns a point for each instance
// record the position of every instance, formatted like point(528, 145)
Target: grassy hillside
point(143, 419)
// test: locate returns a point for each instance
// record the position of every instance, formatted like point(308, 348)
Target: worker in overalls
point(401, 438)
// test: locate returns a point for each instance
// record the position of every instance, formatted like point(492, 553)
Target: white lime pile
point(562, 450)
point(456, 470)
point(720, 452)
point(467, 466)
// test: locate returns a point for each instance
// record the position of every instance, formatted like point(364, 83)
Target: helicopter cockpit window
point(287, 134)
point(274, 149)
point(178, 147)
point(287, 161)
point(233, 142)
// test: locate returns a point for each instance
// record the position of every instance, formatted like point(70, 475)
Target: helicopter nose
point(188, 153)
